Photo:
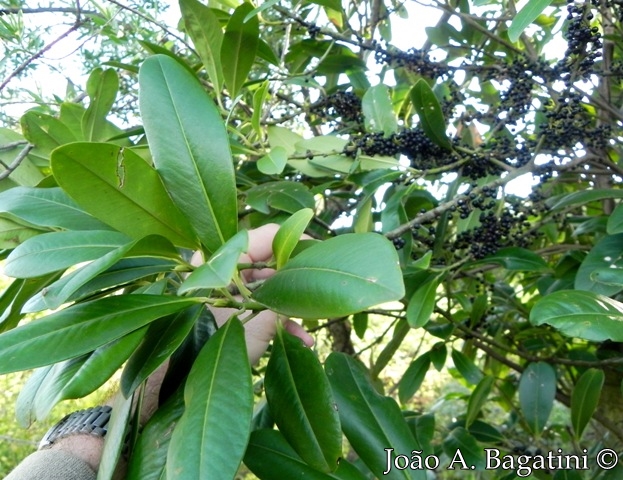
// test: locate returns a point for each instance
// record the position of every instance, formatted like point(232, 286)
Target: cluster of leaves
point(271, 118)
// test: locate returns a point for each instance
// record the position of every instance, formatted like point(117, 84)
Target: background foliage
point(462, 196)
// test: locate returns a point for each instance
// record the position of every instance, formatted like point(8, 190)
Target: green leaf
point(259, 99)
point(606, 254)
point(78, 377)
point(289, 234)
point(478, 398)
point(46, 133)
point(118, 187)
point(370, 421)
point(210, 439)
point(300, 400)
point(283, 137)
point(608, 276)
point(537, 391)
point(47, 207)
point(24, 406)
point(149, 456)
point(273, 162)
point(585, 398)
point(50, 252)
point(516, 259)
point(378, 112)
point(438, 355)
point(115, 437)
point(580, 314)
point(341, 272)
point(429, 111)
point(615, 220)
point(360, 323)
point(82, 328)
point(190, 147)
point(102, 87)
point(422, 303)
point(13, 234)
point(413, 378)
point(463, 450)
point(581, 197)
point(525, 17)
point(466, 367)
point(205, 30)
point(60, 291)
point(239, 47)
point(220, 268)
point(269, 456)
point(163, 337)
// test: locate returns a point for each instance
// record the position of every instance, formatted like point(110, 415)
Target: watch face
point(92, 421)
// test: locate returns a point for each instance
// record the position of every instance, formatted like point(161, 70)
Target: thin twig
point(17, 162)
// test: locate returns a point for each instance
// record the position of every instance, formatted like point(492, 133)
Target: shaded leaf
point(463, 450)
point(378, 112)
point(466, 367)
point(606, 254)
point(430, 113)
point(422, 303)
point(118, 187)
point(286, 196)
point(582, 196)
point(218, 387)
point(301, 402)
point(102, 87)
point(273, 162)
point(413, 377)
point(478, 398)
point(239, 47)
point(516, 259)
point(115, 437)
point(189, 144)
point(341, 272)
point(370, 421)
point(585, 398)
point(537, 390)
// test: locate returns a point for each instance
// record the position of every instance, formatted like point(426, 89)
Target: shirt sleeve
point(52, 465)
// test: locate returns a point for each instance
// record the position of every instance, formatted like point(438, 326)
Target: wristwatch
point(92, 421)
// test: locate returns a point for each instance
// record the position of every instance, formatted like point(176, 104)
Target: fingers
point(298, 331)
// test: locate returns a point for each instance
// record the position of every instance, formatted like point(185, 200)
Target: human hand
point(260, 330)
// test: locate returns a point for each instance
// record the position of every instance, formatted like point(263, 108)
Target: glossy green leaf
point(283, 137)
point(370, 421)
point(438, 355)
point(210, 439)
point(82, 328)
point(273, 162)
point(341, 272)
point(46, 133)
point(463, 450)
point(581, 314)
point(219, 270)
point(360, 323)
point(413, 377)
point(190, 148)
point(259, 99)
point(269, 456)
point(115, 437)
point(582, 196)
point(149, 456)
point(289, 234)
point(55, 251)
point(102, 87)
point(608, 276)
point(423, 429)
point(429, 111)
point(24, 406)
point(525, 17)
point(537, 391)
point(516, 259)
point(239, 47)
point(301, 403)
point(478, 398)
point(47, 207)
point(163, 337)
point(466, 367)
point(422, 303)
point(60, 291)
point(205, 30)
point(78, 377)
point(585, 398)
point(606, 254)
point(118, 187)
point(378, 112)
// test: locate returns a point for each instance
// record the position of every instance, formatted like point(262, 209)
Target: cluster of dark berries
point(410, 142)
point(414, 60)
point(343, 105)
point(313, 30)
point(569, 123)
point(583, 41)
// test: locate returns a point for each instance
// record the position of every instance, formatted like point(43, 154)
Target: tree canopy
point(462, 197)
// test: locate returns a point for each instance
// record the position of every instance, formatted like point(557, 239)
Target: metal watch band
point(92, 421)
